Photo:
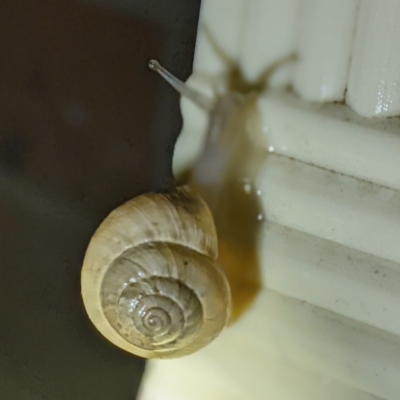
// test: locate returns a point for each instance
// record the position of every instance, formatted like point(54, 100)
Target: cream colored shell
point(150, 281)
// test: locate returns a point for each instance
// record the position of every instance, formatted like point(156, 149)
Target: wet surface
point(234, 201)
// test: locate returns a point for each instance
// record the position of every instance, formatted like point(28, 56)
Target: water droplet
point(247, 187)
point(271, 149)
point(260, 217)
point(259, 192)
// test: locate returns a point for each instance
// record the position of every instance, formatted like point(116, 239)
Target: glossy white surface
point(374, 83)
point(325, 35)
point(326, 325)
point(332, 206)
point(284, 349)
point(332, 136)
point(324, 44)
point(331, 276)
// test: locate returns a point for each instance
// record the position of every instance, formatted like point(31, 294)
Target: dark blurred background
point(84, 126)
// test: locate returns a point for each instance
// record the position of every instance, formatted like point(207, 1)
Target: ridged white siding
point(327, 323)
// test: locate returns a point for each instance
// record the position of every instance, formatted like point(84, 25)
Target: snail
point(150, 280)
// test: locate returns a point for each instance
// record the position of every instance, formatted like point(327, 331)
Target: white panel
point(283, 349)
point(331, 276)
point(332, 206)
point(333, 136)
point(220, 28)
point(324, 47)
point(195, 377)
point(205, 377)
point(374, 82)
point(268, 35)
point(324, 342)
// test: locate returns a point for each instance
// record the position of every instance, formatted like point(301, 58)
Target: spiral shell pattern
point(156, 290)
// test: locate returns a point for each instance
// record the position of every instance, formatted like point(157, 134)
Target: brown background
point(84, 125)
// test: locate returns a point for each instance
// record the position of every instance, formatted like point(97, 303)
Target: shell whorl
point(150, 280)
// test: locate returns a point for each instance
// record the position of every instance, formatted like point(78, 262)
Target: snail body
point(150, 281)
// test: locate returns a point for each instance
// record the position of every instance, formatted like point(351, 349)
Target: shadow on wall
point(80, 133)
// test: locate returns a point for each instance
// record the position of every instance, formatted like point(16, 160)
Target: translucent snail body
point(151, 283)
point(226, 148)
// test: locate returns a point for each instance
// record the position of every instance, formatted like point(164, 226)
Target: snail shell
point(150, 281)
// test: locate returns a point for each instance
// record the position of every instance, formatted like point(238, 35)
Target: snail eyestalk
point(198, 98)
